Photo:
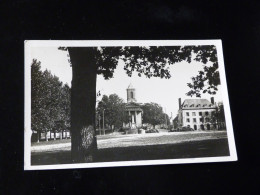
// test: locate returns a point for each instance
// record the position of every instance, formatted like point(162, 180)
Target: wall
point(197, 117)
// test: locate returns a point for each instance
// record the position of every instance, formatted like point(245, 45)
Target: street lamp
point(99, 117)
point(165, 117)
point(104, 121)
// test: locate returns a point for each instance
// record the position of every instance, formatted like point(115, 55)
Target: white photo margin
point(28, 45)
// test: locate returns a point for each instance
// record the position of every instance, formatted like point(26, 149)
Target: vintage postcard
point(125, 103)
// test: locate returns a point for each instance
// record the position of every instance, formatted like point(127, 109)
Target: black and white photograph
point(125, 103)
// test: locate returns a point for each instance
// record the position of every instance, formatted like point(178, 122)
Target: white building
point(196, 113)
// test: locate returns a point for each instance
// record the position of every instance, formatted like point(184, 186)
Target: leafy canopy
point(154, 61)
point(153, 114)
point(114, 109)
point(50, 105)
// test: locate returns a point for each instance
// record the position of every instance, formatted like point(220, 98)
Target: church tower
point(133, 110)
point(130, 94)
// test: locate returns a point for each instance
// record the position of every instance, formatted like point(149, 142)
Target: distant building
point(196, 113)
point(133, 109)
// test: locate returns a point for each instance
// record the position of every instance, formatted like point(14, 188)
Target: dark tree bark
point(46, 136)
point(38, 136)
point(83, 102)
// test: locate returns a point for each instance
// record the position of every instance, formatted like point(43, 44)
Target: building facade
point(133, 109)
point(197, 114)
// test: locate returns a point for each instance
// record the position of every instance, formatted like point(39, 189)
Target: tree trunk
point(54, 132)
point(46, 136)
point(38, 136)
point(83, 103)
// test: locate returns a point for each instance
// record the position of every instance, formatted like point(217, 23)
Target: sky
point(162, 91)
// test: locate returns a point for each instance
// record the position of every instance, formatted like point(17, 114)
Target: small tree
point(153, 114)
point(114, 110)
point(218, 117)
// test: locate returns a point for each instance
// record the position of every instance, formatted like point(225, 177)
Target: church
point(133, 109)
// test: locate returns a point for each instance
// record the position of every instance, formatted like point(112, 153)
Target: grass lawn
point(138, 147)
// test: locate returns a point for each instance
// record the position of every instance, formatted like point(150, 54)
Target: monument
point(133, 109)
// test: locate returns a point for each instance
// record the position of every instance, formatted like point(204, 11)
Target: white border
point(95, 43)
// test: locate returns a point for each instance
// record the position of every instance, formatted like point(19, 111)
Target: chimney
point(179, 103)
point(212, 100)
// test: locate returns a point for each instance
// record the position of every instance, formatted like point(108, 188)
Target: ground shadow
point(194, 149)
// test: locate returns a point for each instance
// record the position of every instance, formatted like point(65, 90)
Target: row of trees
point(115, 115)
point(50, 106)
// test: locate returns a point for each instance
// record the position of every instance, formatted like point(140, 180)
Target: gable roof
point(196, 104)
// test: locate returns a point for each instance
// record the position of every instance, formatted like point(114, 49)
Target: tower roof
point(130, 86)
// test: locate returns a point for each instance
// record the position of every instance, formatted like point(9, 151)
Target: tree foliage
point(50, 107)
point(219, 115)
point(154, 61)
point(153, 114)
point(114, 108)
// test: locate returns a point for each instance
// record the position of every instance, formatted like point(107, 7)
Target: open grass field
point(138, 147)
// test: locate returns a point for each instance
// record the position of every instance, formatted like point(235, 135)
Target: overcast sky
point(162, 91)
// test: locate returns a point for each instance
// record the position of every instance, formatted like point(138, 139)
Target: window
point(200, 113)
point(192, 105)
point(194, 120)
point(187, 114)
point(206, 113)
point(187, 120)
point(132, 94)
point(198, 105)
point(193, 114)
point(207, 119)
point(201, 120)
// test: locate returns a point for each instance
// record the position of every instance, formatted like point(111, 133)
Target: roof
point(133, 107)
point(197, 104)
point(130, 86)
